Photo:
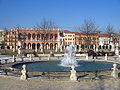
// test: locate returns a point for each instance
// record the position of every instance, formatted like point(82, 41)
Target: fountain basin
point(54, 66)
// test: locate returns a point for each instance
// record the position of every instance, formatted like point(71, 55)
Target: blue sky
point(65, 13)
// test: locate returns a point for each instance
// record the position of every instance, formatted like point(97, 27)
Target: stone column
point(36, 48)
point(79, 48)
point(96, 48)
point(112, 48)
point(13, 49)
point(41, 47)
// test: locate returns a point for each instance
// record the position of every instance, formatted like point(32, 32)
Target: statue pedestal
point(73, 76)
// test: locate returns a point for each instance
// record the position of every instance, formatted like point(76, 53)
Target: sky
point(67, 14)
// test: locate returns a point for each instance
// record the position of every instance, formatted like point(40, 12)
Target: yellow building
point(69, 37)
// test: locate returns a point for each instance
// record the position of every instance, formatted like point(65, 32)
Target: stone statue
point(114, 73)
point(87, 57)
point(106, 57)
point(30, 57)
point(13, 60)
point(24, 73)
point(73, 76)
point(117, 49)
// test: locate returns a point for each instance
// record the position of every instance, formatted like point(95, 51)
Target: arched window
point(42, 36)
point(77, 47)
point(55, 36)
point(47, 46)
point(29, 45)
point(82, 46)
point(51, 46)
point(29, 36)
point(56, 45)
point(24, 46)
point(103, 47)
point(110, 47)
point(33, 46)
point(51, 36)
point(8, 47)
point(106, 47)
point(33, 36)
point(47, 36)
point(100, 47)
point(38, 36)
point(91, 46)
point(38, 46)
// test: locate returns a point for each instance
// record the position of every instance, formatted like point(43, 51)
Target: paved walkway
point(13, 83)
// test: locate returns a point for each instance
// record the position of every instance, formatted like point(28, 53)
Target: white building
point(104, 43)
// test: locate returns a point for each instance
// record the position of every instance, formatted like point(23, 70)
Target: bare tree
point(88, 28)
point(109, 29)
point(112, 34)
point(45, 26)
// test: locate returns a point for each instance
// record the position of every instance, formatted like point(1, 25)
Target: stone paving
point(14, 83)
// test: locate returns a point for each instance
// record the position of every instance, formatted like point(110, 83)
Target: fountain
point(70, 61)
point(69, 57)
point(61, 68)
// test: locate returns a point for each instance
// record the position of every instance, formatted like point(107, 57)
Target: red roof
point(104, 35)
point(66, 31)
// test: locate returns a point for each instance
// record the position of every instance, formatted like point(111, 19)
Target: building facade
point(38, 40)
point(2, 38)
point(57, 40)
